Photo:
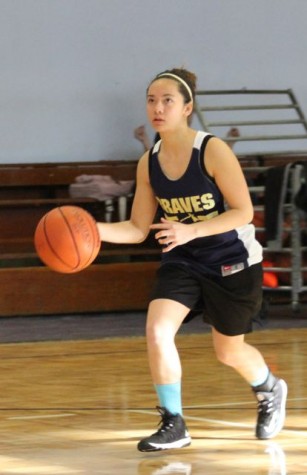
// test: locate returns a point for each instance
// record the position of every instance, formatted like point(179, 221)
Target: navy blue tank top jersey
point(195, 197)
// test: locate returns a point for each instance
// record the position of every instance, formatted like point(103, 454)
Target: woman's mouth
point(158, 121)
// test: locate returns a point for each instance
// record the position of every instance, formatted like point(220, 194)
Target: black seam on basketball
point(91, 221)
point(83, 223)
point(52, 248)
point(73, 239)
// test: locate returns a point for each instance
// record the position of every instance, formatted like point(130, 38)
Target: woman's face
point(166, 109)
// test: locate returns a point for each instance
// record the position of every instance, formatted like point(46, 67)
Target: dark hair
point(187, 76)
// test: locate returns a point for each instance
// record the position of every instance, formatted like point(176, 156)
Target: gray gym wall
point(74, 72)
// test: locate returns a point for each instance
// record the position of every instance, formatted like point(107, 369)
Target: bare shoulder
point(142, 167)
point(217, 145)
point(218, 154)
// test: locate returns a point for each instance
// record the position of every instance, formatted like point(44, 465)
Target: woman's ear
point(188, 109)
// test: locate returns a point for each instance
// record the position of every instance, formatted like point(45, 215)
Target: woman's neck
point(176, 141)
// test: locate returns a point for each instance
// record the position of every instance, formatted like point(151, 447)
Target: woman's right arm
point(144, 207)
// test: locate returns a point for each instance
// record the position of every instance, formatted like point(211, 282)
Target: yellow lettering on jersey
point(189, 205)
point(196, 203)
point(165, 205)
point(208, 216)
point(176, 207)
point(171, 218)
point(207, 201)
point(186, 204)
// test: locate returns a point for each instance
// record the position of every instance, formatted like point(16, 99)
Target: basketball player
point(210, 257)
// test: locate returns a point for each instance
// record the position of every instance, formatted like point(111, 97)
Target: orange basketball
point(67, 239)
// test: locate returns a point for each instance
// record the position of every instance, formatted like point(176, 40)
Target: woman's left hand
point(172, 233)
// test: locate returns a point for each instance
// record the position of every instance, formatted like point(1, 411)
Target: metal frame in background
point(263, 115)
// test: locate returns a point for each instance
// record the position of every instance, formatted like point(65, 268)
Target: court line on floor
point(228, 404)
point(43, 416)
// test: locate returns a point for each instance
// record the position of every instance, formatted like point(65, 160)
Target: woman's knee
point(158, 333)
point(163, 321)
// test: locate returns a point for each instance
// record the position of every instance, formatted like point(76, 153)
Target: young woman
point(210, 256)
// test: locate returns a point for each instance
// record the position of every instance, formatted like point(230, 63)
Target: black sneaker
point(271, 410)
point(172, 434)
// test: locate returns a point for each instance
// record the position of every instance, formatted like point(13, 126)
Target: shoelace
point(165, 421)
point(266, 406)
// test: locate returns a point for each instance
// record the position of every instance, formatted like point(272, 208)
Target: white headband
point(180, 80)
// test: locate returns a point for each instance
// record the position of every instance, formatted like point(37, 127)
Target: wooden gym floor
point(80, 405)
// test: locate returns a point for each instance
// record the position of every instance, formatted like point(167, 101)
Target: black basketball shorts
point(229, 304)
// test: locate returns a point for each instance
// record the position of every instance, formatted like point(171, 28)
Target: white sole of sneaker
point(179, 444)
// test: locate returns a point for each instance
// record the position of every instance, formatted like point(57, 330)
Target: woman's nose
point(158, 107)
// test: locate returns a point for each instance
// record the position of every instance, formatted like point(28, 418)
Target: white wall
point(74, 72)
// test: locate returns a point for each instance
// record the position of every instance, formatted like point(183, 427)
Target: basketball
point(66, 239)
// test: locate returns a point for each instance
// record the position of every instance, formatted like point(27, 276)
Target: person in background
point(141, 135)
point(210, 257)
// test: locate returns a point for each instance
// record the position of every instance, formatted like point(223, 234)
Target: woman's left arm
point(224, 167)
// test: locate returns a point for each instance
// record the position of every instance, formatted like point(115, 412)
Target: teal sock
point(262, 377)
point(170, 397)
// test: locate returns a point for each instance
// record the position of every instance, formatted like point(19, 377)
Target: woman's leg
point(270, 391)
point(245, 359)
point(163, 321)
